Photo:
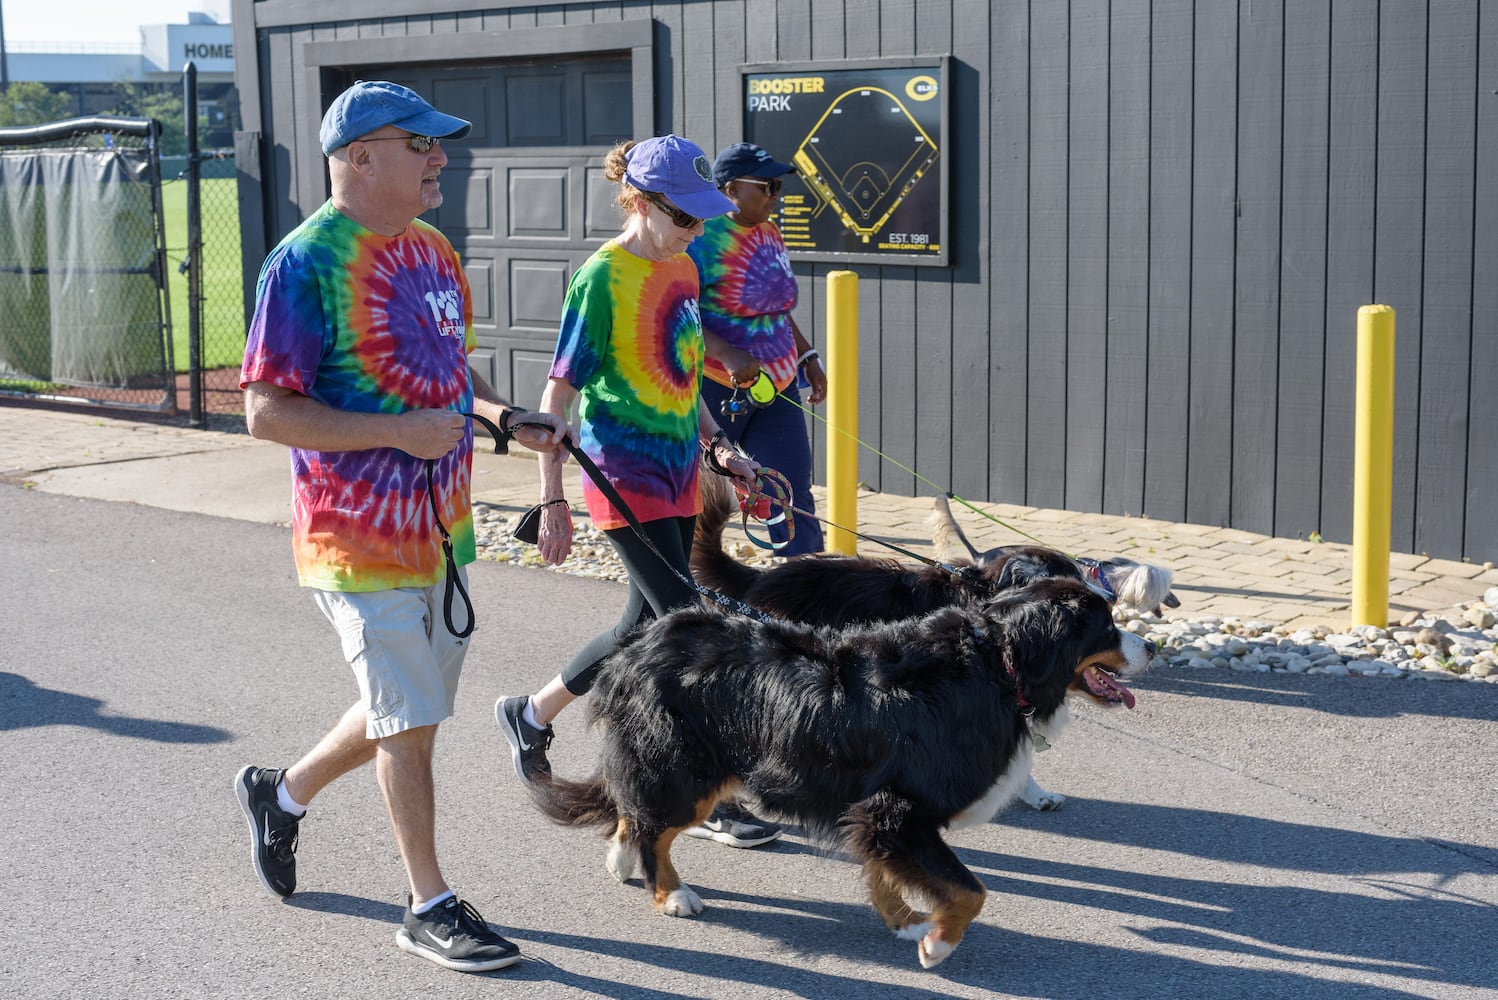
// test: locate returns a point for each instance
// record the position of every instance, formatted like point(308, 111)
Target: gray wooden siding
point(1165, 214)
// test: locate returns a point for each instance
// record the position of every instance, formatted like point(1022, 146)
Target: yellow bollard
point(842, 411)
point(1373, 467)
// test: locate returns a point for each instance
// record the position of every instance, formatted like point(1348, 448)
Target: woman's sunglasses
point(677, 216)
point(772, 187)
point(418, 143)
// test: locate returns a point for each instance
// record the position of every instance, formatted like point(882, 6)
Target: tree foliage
point(31, 103)
point(163, 105)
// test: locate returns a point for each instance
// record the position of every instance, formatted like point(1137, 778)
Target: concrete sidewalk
point(1218, 571)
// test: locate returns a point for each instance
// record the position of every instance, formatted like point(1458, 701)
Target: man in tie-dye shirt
point(357, 358)
point(748, 296)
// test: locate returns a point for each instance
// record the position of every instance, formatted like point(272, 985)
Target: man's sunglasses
point(418, 143)
point(772, 187)
point(677, 216)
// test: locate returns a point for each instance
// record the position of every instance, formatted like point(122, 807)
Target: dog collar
point(1092, 573)
point(1026, 709)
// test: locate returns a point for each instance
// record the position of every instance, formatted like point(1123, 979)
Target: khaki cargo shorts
point(406, 661)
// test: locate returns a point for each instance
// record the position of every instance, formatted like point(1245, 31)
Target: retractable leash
point(607, 489)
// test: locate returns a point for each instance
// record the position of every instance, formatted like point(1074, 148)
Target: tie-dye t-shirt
point(631, 344)
point(370, 324)
point(748, 292)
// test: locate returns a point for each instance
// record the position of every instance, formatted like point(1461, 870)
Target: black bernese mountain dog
point(876, 737)
point(841, 590)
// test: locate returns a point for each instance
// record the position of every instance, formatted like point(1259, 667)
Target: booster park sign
point(866, 139)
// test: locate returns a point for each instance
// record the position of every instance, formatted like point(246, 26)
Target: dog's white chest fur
point(1015, 777)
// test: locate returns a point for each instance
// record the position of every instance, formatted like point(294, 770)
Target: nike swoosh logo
point(266, 836)
point(441, 942)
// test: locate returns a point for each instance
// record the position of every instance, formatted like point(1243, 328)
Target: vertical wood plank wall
point(1165, 214)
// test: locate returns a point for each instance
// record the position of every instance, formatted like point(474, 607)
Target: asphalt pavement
point(1253, 835)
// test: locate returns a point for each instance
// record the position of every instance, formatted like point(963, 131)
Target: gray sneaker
point(735, 826)
point(455, 937)
point(528, 745)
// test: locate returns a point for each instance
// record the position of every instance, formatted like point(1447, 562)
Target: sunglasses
point(772, 187)
point(417, 143)
point(677, 216)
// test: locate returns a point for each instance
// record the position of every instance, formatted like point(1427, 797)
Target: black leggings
point(653, 590)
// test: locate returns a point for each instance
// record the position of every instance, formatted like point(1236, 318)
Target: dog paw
point(1042, 800)
point(914, 932)
point(932, 950)
point(682, 903)
point(620, 861)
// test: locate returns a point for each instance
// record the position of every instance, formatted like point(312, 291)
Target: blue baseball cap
point(373, 104)
point(745, 159)
point(677, 168)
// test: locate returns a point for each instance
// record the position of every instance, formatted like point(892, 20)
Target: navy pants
point(776, 438)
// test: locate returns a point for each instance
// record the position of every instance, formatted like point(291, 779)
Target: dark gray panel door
point(524, 197)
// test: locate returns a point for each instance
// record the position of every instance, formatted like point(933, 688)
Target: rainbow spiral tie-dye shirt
point(748, 293)
point(631, 344)
point(371, 324)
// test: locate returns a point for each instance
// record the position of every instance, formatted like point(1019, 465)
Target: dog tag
point(1040, 742)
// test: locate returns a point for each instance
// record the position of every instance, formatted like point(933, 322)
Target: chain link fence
point(83, 314)
point(220, 286)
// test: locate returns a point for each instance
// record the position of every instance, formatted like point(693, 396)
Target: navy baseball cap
point(373, 104)
point(677, 168)
point(745, 159)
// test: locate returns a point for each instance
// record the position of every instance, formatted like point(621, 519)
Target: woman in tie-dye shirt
point(629, 356)
point(748, 294)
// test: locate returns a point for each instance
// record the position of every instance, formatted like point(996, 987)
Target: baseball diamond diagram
point(866, 143)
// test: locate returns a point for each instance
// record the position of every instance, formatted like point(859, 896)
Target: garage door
point(524, 197)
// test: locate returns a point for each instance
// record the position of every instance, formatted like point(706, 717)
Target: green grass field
point(223, 294)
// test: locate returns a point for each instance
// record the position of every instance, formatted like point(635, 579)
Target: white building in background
point(91, 73)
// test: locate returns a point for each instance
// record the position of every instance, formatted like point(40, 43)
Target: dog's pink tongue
point(1105, 685)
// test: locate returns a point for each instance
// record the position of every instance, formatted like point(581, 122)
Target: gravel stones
point(1452, 645)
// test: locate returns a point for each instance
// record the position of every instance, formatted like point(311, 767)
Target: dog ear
point(1020, 571)
point(1041, 626)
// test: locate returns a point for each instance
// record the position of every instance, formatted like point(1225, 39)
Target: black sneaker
point(528, 745)
point(735, 826)
point(273, 830)
point(455, 937)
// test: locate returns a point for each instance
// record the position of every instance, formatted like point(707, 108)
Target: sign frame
point(793, 147)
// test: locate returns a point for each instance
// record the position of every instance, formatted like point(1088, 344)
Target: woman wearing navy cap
point(748, 295)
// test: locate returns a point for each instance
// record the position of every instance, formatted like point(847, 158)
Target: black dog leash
point(607, 489)
point(502, 437)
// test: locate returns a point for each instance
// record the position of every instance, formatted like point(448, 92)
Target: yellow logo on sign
point(920, 88)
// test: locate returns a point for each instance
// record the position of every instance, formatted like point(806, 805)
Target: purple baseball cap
point(745, 159)
point(373, 104)
point(677, 168)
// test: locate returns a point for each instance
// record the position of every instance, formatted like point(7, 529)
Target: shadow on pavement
point(1368, 931)
point(344, 905)
point(1359, 697)
point(24, 704)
